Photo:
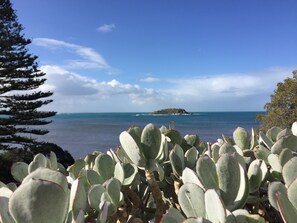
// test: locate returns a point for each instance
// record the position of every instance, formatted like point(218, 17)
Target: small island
point(171, 111)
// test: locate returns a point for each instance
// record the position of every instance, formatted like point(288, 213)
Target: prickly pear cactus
point(159, 175)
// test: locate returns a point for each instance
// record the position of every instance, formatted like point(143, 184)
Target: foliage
point(282, 109)
point(9, 157)
point(155, 175)
point(20, 78)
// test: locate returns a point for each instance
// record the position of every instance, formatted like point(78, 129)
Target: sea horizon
point(84, 132)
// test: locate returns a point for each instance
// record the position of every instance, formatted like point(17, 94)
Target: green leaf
point(214, 202)
point(38, 201)
point(19, 171)
point(241, 138)
point(229, 178)
point(209, 178)
point(191, 200)
point(104, 165)
point(173, 216)
point(132, 150)
point(151, 141)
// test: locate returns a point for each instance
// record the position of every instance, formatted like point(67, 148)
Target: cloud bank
point(76, 92)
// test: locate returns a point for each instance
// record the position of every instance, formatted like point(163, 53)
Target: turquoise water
point(83, 133)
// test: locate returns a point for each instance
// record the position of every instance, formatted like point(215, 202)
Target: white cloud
point(150, 79)
point(88, 57)
point(75, 93)
point(106, 28)
point(228, 92)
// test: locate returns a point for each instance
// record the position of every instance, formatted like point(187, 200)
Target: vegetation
point(20, 78)
point(282, 109)
point(158, 175)
point(171, 111)
point(20, 98)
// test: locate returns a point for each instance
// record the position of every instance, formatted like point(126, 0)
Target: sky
point(145, 55)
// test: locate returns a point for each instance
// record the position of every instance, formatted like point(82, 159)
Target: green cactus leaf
point(135, 132)
point(163, 151)
point(173, 216)
point(214, 202)
point(255, 176)
point(208, 178)
point(294, 128)
point(248, 156)
point(40, 159)
point(19, 171)
point(53, 160)
point(189, 176)
point(33, 166)
point(285, 156)
point(215, 152)
point(243, 191)
point(38, 201)
point(241, 138)
point(229, 178)
point(113, 188)
point(5, 194)
point(151, 141)
point(191, 157)
point(284, 132)
point(191, 200)
point(103, 214)
point(289, 142)
point(292, 195)
point(174, 136)
point(272, 133)
point(227, 149)
point(243, 216)
point(254, 139)
point(90, 160)
point(290, 171)
point(49, 175)
point(130, 173)
point(230, 218)
point(192, 140)
point(273, 188)
point(177, 160)
point(104, 165)
point(94, 196)
point(132, 150)
point(113, 155)
point(78, 198)
point(119, 172)
point(261, 152)
point(93, 177)
point(274, 163)
point(264, 140)
point(76, 167)
point(286, 209)
point(80, 217)
point(107, 203)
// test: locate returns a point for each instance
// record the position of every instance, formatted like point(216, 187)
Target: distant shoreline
point(171, 111)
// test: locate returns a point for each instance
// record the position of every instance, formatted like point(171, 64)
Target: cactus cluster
point(158, 175)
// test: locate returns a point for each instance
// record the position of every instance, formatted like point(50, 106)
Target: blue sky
point(143, 55)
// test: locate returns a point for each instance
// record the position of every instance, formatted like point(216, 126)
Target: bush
point(158, 175)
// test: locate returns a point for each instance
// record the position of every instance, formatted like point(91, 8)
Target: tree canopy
point(20, 79)
point(282, 109)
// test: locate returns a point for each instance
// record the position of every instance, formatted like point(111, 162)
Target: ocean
point(83, 133)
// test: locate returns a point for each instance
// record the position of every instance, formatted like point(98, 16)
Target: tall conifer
point(20, 79)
